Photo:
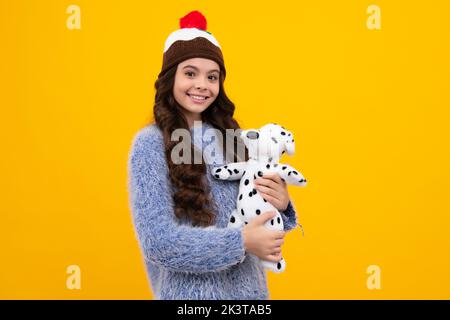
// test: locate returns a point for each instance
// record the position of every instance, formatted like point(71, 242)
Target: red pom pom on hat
point(193, 19)
point(191, 40)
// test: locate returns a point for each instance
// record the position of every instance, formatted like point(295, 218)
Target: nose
point(253, 135)
point(201, 84)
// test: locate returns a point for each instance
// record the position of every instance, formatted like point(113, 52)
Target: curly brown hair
point(191, 196)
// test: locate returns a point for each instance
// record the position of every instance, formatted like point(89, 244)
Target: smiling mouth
point(197, 98)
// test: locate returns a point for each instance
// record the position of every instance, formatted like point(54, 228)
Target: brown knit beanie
point(191, 41)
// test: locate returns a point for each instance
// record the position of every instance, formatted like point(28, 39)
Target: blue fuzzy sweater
point(182, 261)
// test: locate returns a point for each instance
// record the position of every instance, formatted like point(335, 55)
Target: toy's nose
point(252, 135)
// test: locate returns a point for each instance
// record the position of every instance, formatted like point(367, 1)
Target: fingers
point(274, 255)
point(263, 218)
point(274, 188)
point(278, 235)
point(264, 189)
point(276, 247)
point(273, 258)
point(276, 250)
point(274, 201)
point(267, 182)
point(279, 242)
point(273, 179)
point(273, 176)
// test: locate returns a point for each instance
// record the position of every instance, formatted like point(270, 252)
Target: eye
point(213, 77)
point(189, 73)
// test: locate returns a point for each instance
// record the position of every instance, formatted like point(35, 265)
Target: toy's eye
point(274, 140)
point(252, 135)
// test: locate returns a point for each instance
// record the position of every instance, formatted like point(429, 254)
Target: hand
point(262, 242)
point(274, 190)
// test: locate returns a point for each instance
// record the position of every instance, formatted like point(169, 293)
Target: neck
point(191, 117)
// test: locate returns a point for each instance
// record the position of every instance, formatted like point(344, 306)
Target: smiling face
point(196, 86)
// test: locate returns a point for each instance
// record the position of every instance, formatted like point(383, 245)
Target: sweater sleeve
point(163, 241)
point(289, 217)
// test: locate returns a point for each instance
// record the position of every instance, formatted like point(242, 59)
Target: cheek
point(215, 90)
point(181, 82)
point(181, 86)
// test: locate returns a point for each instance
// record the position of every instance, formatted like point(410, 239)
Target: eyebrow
point(194, 67)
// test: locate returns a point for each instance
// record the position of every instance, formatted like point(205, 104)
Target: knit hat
point(191, 41)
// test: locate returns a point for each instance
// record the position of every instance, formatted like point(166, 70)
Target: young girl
point(180, 213)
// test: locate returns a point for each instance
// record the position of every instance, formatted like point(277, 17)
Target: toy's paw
point(221, 173)
point(299, 178)
point(302, 182)
point(276, 267)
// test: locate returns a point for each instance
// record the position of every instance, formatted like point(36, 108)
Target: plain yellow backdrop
point(369, 110)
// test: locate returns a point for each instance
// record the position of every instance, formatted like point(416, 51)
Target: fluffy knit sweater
point(183, 261)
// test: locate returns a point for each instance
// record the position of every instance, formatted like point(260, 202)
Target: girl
point(180, 213)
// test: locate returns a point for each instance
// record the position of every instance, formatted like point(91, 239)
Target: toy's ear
point(289, 144)
point(290, 147)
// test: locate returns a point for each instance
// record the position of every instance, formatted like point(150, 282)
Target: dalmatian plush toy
point(265, 147)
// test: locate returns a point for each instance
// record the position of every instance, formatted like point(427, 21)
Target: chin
point(196, 108)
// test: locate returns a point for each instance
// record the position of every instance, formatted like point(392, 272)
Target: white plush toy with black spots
point(265, 147)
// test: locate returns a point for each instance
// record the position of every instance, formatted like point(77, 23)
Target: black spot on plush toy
point(265, 147)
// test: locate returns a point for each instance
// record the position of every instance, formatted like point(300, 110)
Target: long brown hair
point(191, 196)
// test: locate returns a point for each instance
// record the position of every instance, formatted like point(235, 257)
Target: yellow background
point(369, 110)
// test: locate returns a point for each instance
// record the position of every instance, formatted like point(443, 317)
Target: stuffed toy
point(265, 147)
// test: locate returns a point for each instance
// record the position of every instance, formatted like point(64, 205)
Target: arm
point(289, 217)
point(162, 240)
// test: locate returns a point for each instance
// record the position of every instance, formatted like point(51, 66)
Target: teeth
point(198, 97)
